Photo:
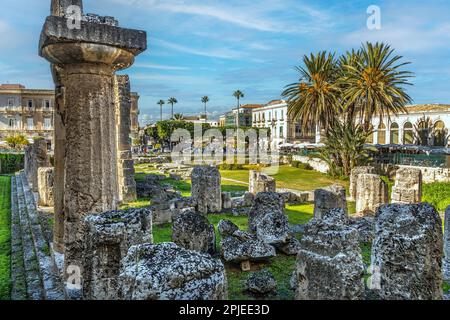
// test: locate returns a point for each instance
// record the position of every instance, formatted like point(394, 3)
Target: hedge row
point(10, 163)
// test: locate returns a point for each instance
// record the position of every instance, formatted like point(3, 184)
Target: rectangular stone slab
point(55, 30)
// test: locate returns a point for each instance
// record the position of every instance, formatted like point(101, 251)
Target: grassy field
point(5, 237)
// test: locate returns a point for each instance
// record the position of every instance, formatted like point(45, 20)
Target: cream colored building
point(30, 112)
point(26, 111)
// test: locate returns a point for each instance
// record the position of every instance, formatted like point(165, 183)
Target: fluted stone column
point(59, 156)
point(125, 164)
point(87, 59)
point(371, 193)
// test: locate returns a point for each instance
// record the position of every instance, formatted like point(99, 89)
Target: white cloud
point(160, 67)
point(223, 53)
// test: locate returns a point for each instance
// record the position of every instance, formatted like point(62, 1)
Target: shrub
point(301, 165)
point(231, 166)
point(437, 194)
point(10, 163)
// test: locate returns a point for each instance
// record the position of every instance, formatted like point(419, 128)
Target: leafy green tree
point(238, 94)
point(315, 98)
point(161, 103)
point(374, 82)
point(205, 100)
point(172, 101)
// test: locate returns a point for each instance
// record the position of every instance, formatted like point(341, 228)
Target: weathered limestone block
point(168, 272)
point(206, 189)
point(260, 182)
point(244, 201)
point(408, 186)
point(372, 192)
point(87, 59)
point(365, 227)
point(45, 186)
point(329, 198)
point(238, 246)
point(446, 265)
point(59, 7)
point(192, 231)
point(267, 219)
point(329, 263)
point(262, 282)
point(226, 200)
point(407, 252)
point(125, 164)
point(107, 238)
point(354, 178)
point(35, 158)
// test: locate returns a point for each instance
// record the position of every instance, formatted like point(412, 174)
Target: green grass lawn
point(5, 237)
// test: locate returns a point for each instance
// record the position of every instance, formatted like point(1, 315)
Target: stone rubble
point(371, 193)
point(329, 263)
point(206, 189)
point(354, 178)
point(261, 283)
point(329, 198)
point(260, 182)
point(407, 252)
point(238, 246)
point(192, 231)
point(168, 272)
point(107, 238)
point(408, 186)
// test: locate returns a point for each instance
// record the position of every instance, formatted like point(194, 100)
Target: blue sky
point(211, 47)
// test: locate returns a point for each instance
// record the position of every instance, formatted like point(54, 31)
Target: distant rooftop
point(8, 86)
point(428, 107)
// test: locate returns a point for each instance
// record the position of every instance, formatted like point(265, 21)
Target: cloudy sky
point(212, 47)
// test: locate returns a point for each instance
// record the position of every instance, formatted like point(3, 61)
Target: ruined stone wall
point(354, 178)
point(35, 157)
point(315, 163)
point(206, 189)
point(329, 198)
point(429, 175)
point(125, 164)
point(260, 182)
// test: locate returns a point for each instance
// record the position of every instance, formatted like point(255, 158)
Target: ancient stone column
point(446, 265)
point(206, 189)
point(35, 157)
point(125, 164)
point(88, 58)
point(329, 198)
point(371, 193)
point(407, 252)
point(59, 156)
point(260, 182)
point(408, 186)
point(45, 186)
point(354, 178)
point(329, 262)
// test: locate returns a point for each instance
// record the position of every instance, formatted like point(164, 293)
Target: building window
point(281, 132)
point(394, 134)
point(408, 134)
point(381, 134)
point(10, 102)
point(12, 123)
point(46, 104)
point(440, 134)
point(424, 132)
point(47, 123)
point(282, 114)
point(30, 104)
point(30, 124)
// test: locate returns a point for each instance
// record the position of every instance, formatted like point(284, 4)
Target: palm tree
point(178, 116)
point(238, 94)
point(315, 97)
point(374, 83)
point(172, 101)
point(205, 100)
point(161, 103)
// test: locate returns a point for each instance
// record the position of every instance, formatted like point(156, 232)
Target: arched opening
point(440, 134)
point(381, 134)
point(423, 133)
point(394, 133)
point(408, 133)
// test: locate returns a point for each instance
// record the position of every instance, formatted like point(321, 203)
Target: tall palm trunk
point(237, 117)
